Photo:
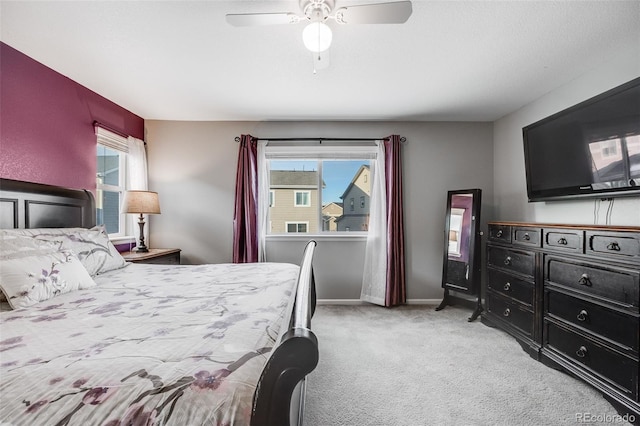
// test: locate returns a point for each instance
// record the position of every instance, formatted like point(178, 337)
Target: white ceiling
point(452, 60)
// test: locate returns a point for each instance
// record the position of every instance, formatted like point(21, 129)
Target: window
point(317, 188)
point(303, 198)
point(297, 227)
point(610, 151)
point(111, 158)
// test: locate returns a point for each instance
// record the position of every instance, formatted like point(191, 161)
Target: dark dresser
point(570, 295)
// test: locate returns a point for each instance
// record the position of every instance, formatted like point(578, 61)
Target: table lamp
point(143, 202)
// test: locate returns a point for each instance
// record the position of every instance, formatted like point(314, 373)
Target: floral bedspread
point(151, 344)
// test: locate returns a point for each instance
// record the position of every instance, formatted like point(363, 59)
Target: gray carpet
point(414, 366)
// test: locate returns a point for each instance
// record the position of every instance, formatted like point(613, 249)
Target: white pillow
point(13, 246)
point(28, 280)
point(91, 246)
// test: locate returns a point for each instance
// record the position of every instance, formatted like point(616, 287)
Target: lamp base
point(142, 248)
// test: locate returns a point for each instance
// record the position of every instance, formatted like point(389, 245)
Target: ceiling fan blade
point(380, 13)
point(254, 19)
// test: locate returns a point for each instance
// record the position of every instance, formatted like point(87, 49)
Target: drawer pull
point(526, 236)
point(613, 246)
point(499, 233)
point(563, 241)
point(507, 261)
point(507, 287)
point(581, 352)
point(583, 315)
point(585, 280)
point(506, 312)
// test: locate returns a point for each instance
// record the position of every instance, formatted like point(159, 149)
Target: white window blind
point(324, 151)
point(112, 140)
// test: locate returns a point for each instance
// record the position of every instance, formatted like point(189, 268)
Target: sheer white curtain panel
point(263, 200)
point(137, 179)
point(374, 276)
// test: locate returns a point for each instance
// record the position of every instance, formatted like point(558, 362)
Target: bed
point(226, 344)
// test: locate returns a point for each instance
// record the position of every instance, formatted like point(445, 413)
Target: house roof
point(341, 205)
point(294, 179)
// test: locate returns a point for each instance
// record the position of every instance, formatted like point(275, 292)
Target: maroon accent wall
point(46, 124)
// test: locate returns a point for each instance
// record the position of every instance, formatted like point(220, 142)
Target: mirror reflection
point(461, 268)
point(460, 221)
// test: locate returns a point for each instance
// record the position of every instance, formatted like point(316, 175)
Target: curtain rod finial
point(237, 139)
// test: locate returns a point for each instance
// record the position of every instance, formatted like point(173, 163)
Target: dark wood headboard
point(35, 205)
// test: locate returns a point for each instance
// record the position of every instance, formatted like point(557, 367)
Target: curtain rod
point(320, 140)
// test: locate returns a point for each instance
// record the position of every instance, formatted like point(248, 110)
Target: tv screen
point(589, 150)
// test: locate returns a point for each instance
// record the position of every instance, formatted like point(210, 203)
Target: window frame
point(297, 223)
point(297, 151)
point(114, 142)
point(295, 198)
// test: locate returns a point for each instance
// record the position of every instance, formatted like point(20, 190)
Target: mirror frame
point(474, 274)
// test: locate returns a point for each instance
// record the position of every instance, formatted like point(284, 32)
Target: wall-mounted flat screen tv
point(589, 150)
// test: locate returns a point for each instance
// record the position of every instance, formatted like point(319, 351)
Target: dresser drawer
point(618, 285)
point(512, 260)
point(527, 236)
point(510, 312)
point(165, 260)
point(511, 286)
point(567, 240)
point(615, 244)
point(610, 365)
point(501, 233)
point(610, 324)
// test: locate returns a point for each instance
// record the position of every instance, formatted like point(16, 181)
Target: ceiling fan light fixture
point(317, 37)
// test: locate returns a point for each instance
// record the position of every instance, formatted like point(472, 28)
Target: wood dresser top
point(570, 226)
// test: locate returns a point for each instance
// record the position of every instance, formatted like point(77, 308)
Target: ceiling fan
point(317, 35)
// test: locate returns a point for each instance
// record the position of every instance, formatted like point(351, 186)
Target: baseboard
point(340, 302)
point(360, 302)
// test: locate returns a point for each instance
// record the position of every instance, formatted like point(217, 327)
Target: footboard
point(295, 356)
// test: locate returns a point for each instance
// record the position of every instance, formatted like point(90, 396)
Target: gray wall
point(192, 166)
point(510, 202)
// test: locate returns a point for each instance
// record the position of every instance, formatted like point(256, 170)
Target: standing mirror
point(461, 266)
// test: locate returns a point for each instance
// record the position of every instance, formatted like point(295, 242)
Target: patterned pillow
point(13, 246)
point(92, 246)
point(28, 280)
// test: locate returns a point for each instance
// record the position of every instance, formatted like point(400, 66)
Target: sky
point(336, 174)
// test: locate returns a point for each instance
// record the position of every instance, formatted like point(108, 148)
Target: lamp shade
point(317, 37)
point(144, 202)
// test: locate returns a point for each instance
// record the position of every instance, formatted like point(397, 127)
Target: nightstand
point(157, 256)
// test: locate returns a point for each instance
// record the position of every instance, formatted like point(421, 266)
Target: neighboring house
point(355, 202)
point(607, 158)
point(330, 213)
point(293, 202)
